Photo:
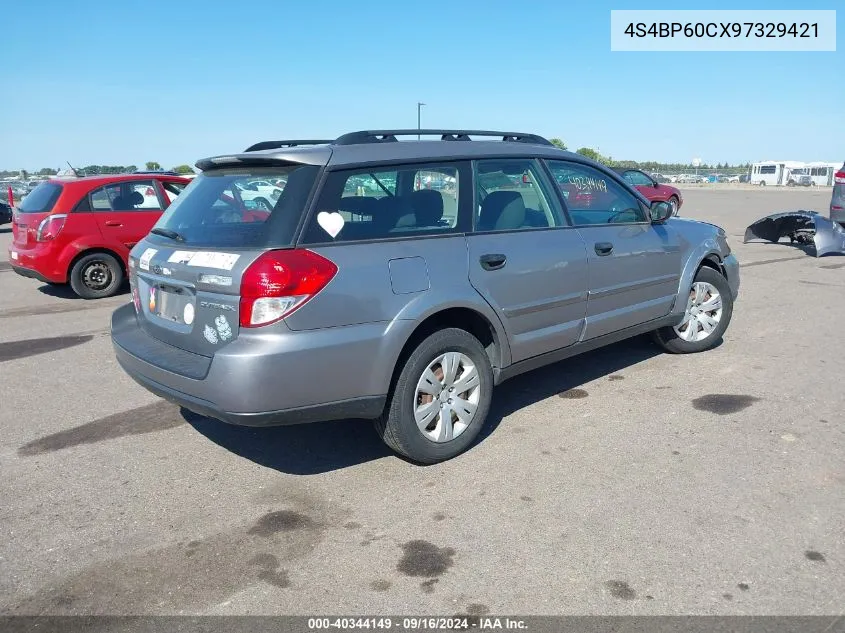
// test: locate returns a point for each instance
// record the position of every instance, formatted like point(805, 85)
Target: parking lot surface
point(623, 481)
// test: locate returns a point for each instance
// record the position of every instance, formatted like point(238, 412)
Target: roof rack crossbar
point(389, 136)
point(288, 143)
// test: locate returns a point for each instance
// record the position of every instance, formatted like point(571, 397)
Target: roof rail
point(389, 136)
point(290, 143)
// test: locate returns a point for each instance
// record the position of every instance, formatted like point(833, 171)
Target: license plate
point(14, 255)
point(169, 305)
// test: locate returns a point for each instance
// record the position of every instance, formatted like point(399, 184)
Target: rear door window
point(137, 195)
point(241, 207)
point(101, 199)
point(511, 196)
point(384, 203)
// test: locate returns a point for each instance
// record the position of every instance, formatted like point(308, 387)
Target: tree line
point(92, 170)
point(650, 165)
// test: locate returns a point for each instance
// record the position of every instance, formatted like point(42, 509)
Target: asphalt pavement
point(623, 481)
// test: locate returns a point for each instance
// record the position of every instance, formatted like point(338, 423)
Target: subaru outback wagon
point(402, 280)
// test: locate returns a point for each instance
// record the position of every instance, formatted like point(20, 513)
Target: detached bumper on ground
point(808, 228)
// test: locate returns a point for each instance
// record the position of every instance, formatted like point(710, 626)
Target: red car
point(652, 189)
point(80, 230)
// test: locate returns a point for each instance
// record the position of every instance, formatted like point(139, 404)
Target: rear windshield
point(41, 199)
point(246, 207)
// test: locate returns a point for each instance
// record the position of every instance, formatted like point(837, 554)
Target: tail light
point(149, 193)
point(839, 177)
point(50, 227)
point(279, 282)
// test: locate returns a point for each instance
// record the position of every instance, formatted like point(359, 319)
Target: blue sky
point(108, 82)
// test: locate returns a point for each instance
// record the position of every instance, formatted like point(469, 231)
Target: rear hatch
point(32, 211)
point(186, 275)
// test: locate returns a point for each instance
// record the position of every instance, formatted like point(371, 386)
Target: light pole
point(420, 104)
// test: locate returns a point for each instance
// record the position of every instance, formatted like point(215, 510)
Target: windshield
point(241, 207)
point(41, 199)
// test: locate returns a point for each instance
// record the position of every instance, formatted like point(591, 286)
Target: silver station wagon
point(401, 280)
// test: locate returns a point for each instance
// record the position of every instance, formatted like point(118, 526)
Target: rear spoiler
point(262, 160)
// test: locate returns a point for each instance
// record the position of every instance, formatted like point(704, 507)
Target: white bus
point(773, 172)
point(821, 173)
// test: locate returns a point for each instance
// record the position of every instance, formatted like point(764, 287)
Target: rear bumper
point(264, 379)
point(367, 407)
point(30, 273)
point(41, 266)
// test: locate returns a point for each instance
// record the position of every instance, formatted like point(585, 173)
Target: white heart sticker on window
point(331, 223)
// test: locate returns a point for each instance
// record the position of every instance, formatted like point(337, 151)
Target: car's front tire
point(96, 275)
point(708, 314)
point(675, 204)
point(440, 400)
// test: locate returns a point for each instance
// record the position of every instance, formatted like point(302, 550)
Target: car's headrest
point(428, 207)
point(501, 211)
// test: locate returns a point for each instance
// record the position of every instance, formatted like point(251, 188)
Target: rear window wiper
point(173, 235)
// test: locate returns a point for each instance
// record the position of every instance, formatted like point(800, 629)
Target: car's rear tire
point(708, 314)
point(263, 204)
point(96, 275)
point(425, 419)
point(675, 204)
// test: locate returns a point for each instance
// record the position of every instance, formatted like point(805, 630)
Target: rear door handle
point(113, 223)
point(603, 248)
point(493, 261)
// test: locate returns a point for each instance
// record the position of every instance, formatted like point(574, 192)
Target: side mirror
point(655, 184)
point(660, 212)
